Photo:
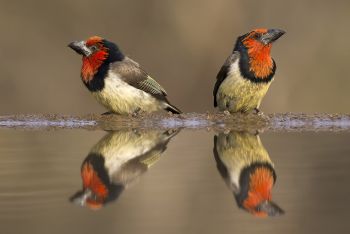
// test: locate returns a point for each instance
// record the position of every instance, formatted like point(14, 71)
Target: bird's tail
point(172, 109)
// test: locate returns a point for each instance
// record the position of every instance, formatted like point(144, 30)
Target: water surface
point(176, 188)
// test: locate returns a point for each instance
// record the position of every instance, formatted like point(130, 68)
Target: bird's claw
point(107, 113)
point(137, 113)
point(258, 112)
point(226, 112)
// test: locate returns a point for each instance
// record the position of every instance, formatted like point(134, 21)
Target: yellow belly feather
point(121, 98)
point(238, 151)
point(238, 94)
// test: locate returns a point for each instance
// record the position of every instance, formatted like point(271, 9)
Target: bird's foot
point(134, 114)
point(137, 113)
point(226, 112)
point(107, 113)
point(257, 112)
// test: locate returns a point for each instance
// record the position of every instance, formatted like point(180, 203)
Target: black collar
point(244, 64)
point(114, 55)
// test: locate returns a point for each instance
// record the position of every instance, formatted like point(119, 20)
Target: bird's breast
point(238, 151)
point(121, 147)
point(238, 93)
point(120, 97)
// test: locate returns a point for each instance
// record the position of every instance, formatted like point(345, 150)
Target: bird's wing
point(219, 164)
point(220, 77)
point(131, 73)
point(150, 85)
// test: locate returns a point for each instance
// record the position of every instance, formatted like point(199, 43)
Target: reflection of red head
point(260, 184)
point(92, 182)
point(93, 204)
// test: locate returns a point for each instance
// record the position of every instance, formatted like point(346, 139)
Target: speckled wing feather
point(152, 86)
point(220, 77)
point(131, 72)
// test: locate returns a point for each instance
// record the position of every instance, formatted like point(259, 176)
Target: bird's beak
point(270, 208)
point(272, 35)
point(80, 47)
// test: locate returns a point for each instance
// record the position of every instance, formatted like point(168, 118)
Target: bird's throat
point(260, 61)
point(92, 181)
point(91, 65)
point(260, 185)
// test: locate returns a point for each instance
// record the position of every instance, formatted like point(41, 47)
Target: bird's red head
point(97, 187)
point(258, 44)
point(258, 201)
point(91, 63)
point(95, 52)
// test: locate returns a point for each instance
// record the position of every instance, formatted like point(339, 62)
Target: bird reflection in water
point(116, 161)
point(248, 171)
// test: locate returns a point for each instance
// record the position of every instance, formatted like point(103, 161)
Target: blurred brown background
point(180, 43)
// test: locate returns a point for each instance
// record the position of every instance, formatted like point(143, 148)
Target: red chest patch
point(92, 181)
point(91, 65)
point(260, 61)
point(261, 182)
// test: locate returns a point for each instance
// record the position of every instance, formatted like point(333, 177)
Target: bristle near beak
point(80, 197)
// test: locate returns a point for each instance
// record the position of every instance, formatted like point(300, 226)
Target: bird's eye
point(257, 36)
point(93, 48)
